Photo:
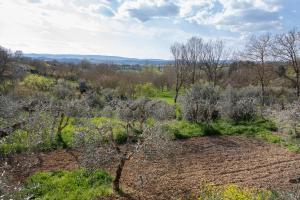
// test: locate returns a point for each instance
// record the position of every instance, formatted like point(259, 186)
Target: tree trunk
point(194, 74)
point(176, 95)
point(116, 183)
point(297, 82)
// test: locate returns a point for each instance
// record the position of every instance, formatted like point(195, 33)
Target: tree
point(286, 49)
point(195, 55)
point(239, 105)
point(4, 59)
point(258, 50)
point(140, 137)
point(214, 56)
point(179, 53)
point(18, 55)
point(200, 104)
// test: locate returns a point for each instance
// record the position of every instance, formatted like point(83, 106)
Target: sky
point(137, 28)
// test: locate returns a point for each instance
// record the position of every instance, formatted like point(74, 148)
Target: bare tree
point(286, 48)
point(214, 56)
point(258, 50)
point(179, 53)
point(195, 55)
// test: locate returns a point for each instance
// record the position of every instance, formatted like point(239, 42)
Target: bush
point(37, 82)
point(239, 105)
point(145, 90)
point(200, 104)
point(68, 185)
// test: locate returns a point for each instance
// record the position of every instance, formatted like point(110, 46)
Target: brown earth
point(219, 160)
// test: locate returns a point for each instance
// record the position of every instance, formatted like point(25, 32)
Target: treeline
point(264, 59)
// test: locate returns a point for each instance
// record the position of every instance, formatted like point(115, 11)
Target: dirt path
point(219, 160)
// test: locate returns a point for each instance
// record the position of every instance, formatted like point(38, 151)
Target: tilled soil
point(219, 160)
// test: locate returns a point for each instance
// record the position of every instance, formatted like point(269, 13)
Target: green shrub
point(68, 185)
point(37, 82)
point(145, 90)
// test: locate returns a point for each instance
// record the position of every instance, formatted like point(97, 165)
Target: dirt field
point(219, 160)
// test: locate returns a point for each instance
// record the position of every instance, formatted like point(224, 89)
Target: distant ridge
point(73, 58)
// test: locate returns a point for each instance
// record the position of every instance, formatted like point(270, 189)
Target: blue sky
point(137, 28)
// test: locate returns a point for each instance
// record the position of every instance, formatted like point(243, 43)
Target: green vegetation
point(184, 129)
point(38, 83)
point(259, 128)
point(68, 185)
point(20, 140)
point(165, 95)
point(233, 192)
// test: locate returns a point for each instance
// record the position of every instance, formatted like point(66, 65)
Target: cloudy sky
point(136, 28)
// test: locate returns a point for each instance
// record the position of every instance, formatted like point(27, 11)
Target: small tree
point(140, 137)
point(239, 105)
point(200, 104)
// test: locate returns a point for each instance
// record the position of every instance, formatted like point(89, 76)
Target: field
point(221, 160)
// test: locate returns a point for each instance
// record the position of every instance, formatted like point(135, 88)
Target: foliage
point(38, 83)
point(166, 95)
point(145, 90)
point(239, 105)
point(200, 104)
point(68, 185)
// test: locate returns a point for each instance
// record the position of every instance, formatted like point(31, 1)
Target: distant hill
point(71, 58)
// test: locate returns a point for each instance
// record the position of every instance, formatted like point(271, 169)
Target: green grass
point(167, 96)
point(259, 128)
point(68, 185)
point(184, 129)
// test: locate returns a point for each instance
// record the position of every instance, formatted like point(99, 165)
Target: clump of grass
point(68, 185)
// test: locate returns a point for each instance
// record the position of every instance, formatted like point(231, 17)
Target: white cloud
point(125, 27)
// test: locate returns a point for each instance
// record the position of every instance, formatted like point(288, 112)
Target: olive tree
point(201, 104)
point(141, 137)
point(239, 105)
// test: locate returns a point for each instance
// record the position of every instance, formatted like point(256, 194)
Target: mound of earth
point(219, 160)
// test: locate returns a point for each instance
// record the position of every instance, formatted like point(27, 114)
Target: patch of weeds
point(233, 192)
point(68, 185)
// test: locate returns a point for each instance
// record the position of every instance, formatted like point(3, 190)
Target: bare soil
point(219, 160)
